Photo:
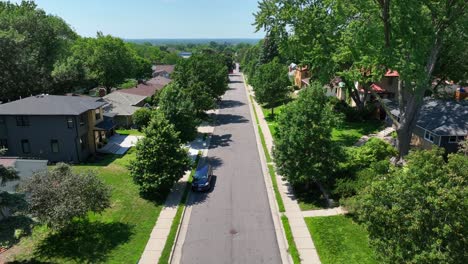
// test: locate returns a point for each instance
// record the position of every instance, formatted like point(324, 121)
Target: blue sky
point(157, 18)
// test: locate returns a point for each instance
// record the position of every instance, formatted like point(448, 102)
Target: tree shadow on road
point(230, 104)
point(224, 119)
point(220, 141)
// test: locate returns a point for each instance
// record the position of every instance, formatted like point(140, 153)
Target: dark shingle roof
point(444, 118)
point(441, 117)
point(51, 105)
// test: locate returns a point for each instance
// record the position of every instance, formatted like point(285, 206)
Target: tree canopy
point(175, 104)
point(271, 84)
point(418, 213)
point(59, 195)
point(304, 151)
point(160, 158)
point(360, 40)
point(31, 42)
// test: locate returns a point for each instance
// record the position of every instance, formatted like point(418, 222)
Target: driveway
point(232, 223)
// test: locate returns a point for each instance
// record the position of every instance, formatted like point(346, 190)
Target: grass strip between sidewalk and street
point(292, 249)
point(271, 170)
point(292, 244)
point(168, 246)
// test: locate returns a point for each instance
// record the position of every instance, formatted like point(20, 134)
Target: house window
point(98, 114)
point(452, 139)
point(70, 123)
point(22, 121)
point(25, 146)
point(82, 120)
point(429, 136)
point(84, 142)
point(460, 138)
point(54, 145)
point(3, 143)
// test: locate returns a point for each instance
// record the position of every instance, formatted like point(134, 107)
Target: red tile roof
point(149, 87)
point(377, 88)
point(391, 73)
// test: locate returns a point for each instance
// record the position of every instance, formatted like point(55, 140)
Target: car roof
point(202, 171)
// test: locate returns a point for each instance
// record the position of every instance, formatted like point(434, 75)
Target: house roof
point(441, 117)
point(149, 87)
point(124, 98)
point(164, 68)
point(391, 73)
point(51, 105)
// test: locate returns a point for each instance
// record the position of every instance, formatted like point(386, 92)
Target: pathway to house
point(119, 144)
point(299, 229)
point(381, 135)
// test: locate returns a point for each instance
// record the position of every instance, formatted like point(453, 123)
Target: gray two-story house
point(52, 127)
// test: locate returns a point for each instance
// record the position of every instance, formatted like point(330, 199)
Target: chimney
point(102, 92)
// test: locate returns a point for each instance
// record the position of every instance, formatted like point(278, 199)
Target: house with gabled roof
point(53, 127)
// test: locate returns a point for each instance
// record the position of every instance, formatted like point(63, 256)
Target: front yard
point(339, 239)
point(119, 235)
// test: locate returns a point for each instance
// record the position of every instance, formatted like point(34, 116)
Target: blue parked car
point(202, 178)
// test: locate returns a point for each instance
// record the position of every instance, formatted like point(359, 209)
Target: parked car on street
point(202, 178)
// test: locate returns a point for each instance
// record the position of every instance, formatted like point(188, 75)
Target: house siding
point(449, 146)
point(40, 132)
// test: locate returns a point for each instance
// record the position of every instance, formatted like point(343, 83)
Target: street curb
point(275, 213)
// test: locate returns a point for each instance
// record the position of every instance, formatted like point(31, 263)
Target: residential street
point(232, 223)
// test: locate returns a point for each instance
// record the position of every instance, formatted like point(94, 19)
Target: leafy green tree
point(58, 196)
point(269, 49)
point(177, 107)
point(106, 59)
point(160, 158)
point(418, 213)
point(207, 69)
point(271, 84)
point(142, 117)
point(304, 151)
point(360, 40)
point(31, 43)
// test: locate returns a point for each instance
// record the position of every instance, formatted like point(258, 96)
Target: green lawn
point(350, 132)
point(133, 132)
point(339, 239)
point(271, 119)
point(118, 235)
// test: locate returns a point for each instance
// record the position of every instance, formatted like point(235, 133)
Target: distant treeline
point(228, 41)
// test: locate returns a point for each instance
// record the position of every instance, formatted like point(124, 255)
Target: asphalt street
point(232, 223)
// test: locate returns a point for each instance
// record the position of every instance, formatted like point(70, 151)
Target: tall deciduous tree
point(160, 159)
point(59, 195)
point(31, 42)
point(271, 84)
point(269, 49)
point(175, 104)
point(208, 69)
point(106, 59)
point(418, 213)
point(304, 151)
point(361, 40)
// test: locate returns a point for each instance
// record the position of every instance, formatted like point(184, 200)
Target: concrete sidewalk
point(161, 230)
point(299, 229)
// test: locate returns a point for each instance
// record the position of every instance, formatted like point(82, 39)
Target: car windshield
point(201, 173)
